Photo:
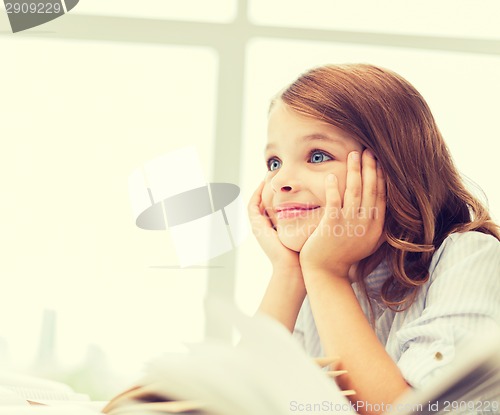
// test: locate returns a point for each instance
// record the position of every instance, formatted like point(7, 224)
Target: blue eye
point(273, 164)
point(318, 156)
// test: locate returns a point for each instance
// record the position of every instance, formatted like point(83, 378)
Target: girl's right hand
point(281, 257)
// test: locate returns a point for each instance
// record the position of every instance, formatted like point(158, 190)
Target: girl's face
point(300, 153)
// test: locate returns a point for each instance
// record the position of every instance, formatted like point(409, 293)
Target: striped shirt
point(460, 300)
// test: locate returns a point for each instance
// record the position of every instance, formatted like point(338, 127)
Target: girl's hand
point(281, 257)
point(350, 232)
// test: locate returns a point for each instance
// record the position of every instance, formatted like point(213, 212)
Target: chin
point(295, 244)
point(293, 238)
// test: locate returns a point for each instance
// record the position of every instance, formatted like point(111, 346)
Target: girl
point(380, 254)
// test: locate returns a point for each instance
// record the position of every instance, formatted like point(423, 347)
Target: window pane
point(461, 89)
point(77, 119)
point(456, 18)
point(192, 10)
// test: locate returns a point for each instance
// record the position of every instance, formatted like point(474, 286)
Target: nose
point(286, 181)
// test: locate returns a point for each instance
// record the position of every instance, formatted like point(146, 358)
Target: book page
point(266, 372)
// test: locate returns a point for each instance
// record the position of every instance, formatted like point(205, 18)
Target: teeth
point(296, 209)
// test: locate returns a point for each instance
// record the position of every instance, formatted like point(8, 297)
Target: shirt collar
point(375, 280)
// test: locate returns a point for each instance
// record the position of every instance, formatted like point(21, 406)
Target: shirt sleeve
point(461, 301)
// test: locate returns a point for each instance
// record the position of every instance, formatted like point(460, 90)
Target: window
point(221, 11)
point(448, 18)
point(77, 118)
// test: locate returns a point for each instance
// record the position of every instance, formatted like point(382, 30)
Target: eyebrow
point(315, 137)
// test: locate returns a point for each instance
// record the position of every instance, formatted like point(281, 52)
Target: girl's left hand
point(353, 230)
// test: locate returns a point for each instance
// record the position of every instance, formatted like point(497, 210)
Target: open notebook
point(266, 372)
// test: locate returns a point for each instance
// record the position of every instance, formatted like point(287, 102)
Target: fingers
point(352, 196)
point(370, 180)
point(365, 187)
point(333, 199)
point(254, 206)
point(259, 220)
point(381, 202)
point(256, 200)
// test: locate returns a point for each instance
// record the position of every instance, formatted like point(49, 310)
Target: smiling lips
point(293, 210)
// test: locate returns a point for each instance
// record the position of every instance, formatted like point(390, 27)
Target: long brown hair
point(426, 197)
